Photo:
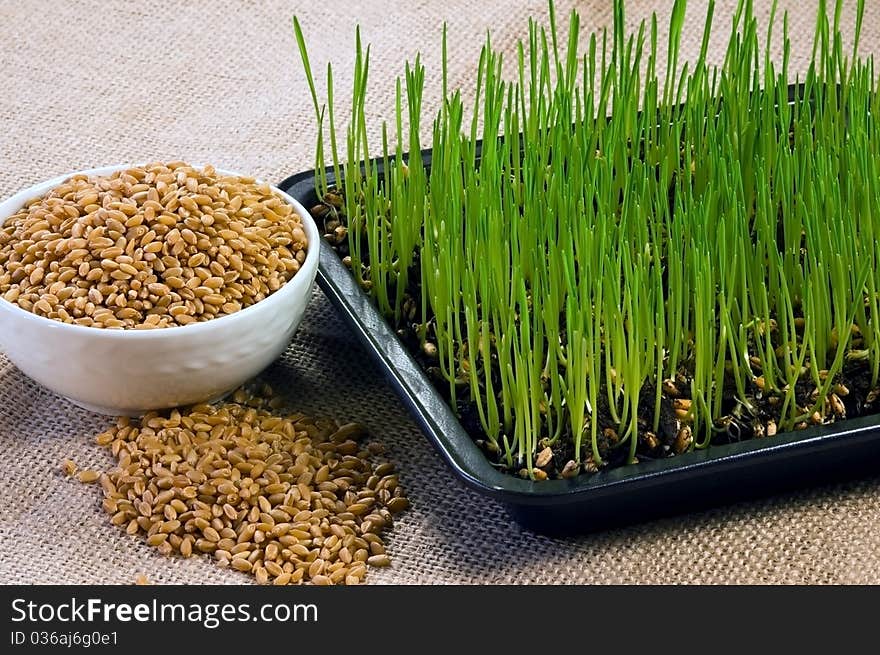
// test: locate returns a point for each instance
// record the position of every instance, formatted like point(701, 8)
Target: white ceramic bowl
point(133, 371)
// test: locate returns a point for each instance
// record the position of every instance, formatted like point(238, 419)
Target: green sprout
point(613, 259)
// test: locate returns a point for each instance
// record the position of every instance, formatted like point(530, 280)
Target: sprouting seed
point(608, 255)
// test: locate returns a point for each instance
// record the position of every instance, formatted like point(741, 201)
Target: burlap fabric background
point(95, 83)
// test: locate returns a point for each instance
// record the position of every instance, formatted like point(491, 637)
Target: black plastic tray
point(618, 496)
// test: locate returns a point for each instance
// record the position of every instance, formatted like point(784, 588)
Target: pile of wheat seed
point(287, 498)
point(157, 246)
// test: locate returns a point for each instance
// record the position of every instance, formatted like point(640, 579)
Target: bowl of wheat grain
point(134, 288)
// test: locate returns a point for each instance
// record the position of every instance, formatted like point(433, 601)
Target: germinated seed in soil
point(287, 498)
point(152, 247)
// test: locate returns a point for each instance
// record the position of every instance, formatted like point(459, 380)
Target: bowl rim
point(299, 283)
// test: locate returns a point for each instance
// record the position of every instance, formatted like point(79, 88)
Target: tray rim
point(463, 456)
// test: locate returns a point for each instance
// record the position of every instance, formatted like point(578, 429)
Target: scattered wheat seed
point(88, 476)
point(258, 507)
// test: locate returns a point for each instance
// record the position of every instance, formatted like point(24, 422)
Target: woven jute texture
point(96, 83)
